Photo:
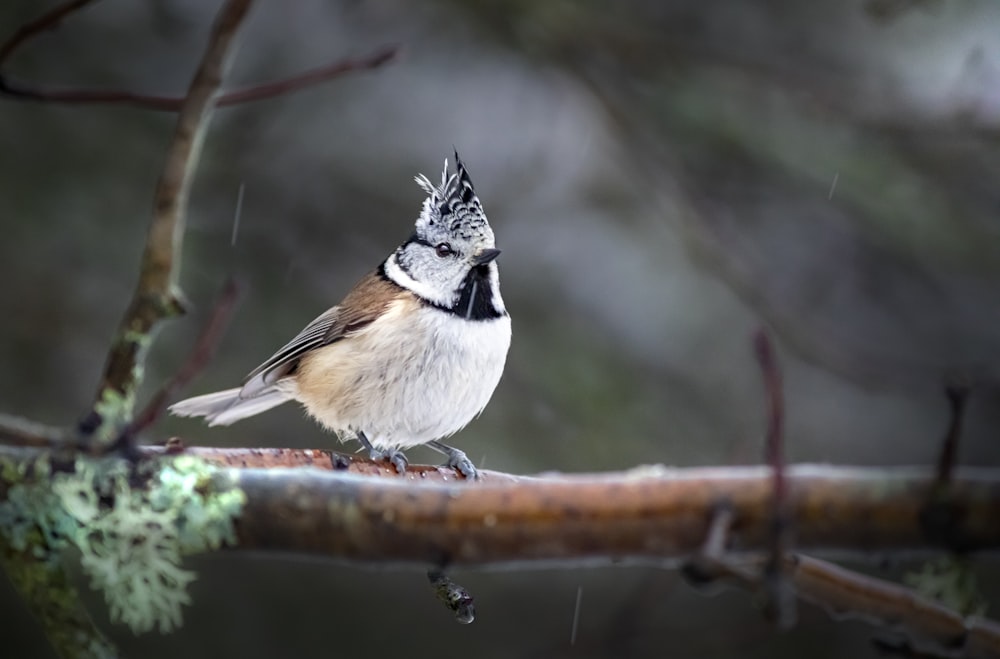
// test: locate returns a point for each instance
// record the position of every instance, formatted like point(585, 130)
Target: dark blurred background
point(663, 178)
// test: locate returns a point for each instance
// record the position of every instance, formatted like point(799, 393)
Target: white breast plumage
point(416, 374)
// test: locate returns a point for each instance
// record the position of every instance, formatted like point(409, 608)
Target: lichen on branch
point(132, 525)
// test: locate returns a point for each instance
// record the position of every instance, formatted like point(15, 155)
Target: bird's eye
point(444, 249)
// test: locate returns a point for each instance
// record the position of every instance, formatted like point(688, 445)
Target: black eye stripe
point(415, 239)
point(441, 249)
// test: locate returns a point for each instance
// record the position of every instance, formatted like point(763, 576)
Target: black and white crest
point(449, 260)
point(452, 210)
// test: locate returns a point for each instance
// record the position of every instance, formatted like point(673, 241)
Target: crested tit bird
point(411, 354)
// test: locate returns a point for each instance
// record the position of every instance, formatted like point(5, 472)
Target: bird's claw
point(461, 463)
point(396, 458)
point(399, 461)
point(457, 460)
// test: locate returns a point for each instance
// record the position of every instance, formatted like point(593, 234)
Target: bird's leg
point(457, 460)
point(393, 456)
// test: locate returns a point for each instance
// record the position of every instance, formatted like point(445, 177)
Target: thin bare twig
point(257, 92)
point(16, 431)
point(157, 296)
point(204, 350)
point(780, 606)
point(958, 397)
point(46, 21)
point(710, 564)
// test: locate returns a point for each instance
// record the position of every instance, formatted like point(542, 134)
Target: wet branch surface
point(327, 504)
point(351, 510)
point(324, 503)
point(318, 502)
point(628, 517)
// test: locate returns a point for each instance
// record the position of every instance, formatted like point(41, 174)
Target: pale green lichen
point(205, 522)
point(951, 581)
point(132, 553)
point(113, 408)
point(131, 538)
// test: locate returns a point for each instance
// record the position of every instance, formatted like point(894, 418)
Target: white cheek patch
point(495, 288)
point(422, 289)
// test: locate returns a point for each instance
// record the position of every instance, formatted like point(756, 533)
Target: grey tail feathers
point(225, 407)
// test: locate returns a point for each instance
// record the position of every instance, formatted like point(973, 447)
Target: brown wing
point(366, 302)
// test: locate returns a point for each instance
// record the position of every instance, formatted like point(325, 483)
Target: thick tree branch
point(657, 515)
point(157, 297)
point(353, 510)
point(647, 515)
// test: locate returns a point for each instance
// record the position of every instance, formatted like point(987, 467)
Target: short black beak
point(485, 256)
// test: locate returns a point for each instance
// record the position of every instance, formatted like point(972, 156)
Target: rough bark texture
point(653, 515)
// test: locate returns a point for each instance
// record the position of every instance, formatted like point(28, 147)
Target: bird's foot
point(457, 460)
point(393, 456)
point(397, 460)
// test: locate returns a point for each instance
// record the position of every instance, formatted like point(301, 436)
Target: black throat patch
point(476, 299)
